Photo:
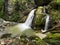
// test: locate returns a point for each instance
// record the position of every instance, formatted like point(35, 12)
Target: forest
point(29, 22)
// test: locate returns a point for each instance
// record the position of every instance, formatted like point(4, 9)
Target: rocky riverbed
point(28, 40)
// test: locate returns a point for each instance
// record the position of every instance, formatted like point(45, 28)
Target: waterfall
point(46, 23)
point(28, 22)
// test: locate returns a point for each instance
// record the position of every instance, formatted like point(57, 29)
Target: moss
point(53, 38)
point(14, 30)
point(39, 18)
point(55, 9)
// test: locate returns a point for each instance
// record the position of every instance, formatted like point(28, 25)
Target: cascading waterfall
point(28, 22)
point(21, 27)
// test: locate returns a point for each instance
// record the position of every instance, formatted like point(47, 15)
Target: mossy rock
point(30, 40)
point(53, 38)
point(39, 17)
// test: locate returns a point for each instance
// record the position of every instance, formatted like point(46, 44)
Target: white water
point(28, 22)
point(46, 23)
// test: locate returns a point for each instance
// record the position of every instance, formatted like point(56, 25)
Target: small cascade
point(46, 22)
point(28, 22)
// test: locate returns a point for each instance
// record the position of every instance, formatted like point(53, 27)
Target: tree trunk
point(6, 7)
point(10, 7)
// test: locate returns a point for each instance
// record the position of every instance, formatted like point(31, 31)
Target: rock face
point(4, 24)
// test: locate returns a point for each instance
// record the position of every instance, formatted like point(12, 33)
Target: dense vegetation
point(18, 11)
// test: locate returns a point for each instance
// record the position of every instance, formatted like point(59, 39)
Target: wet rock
point(4, 24)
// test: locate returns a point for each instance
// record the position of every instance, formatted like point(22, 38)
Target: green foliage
point(1, 5)
point(55, 5)
point(55, 15)
point(53, 38)
point(54, 10)
point(53, 35)
point(17, 5)
point(20, 8)
point(1, 8)
point(15, 17)
point(24, 4)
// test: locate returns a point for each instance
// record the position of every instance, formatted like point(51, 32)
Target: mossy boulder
point(39, 18)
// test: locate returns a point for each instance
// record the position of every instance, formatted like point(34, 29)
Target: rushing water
point(28, 22)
